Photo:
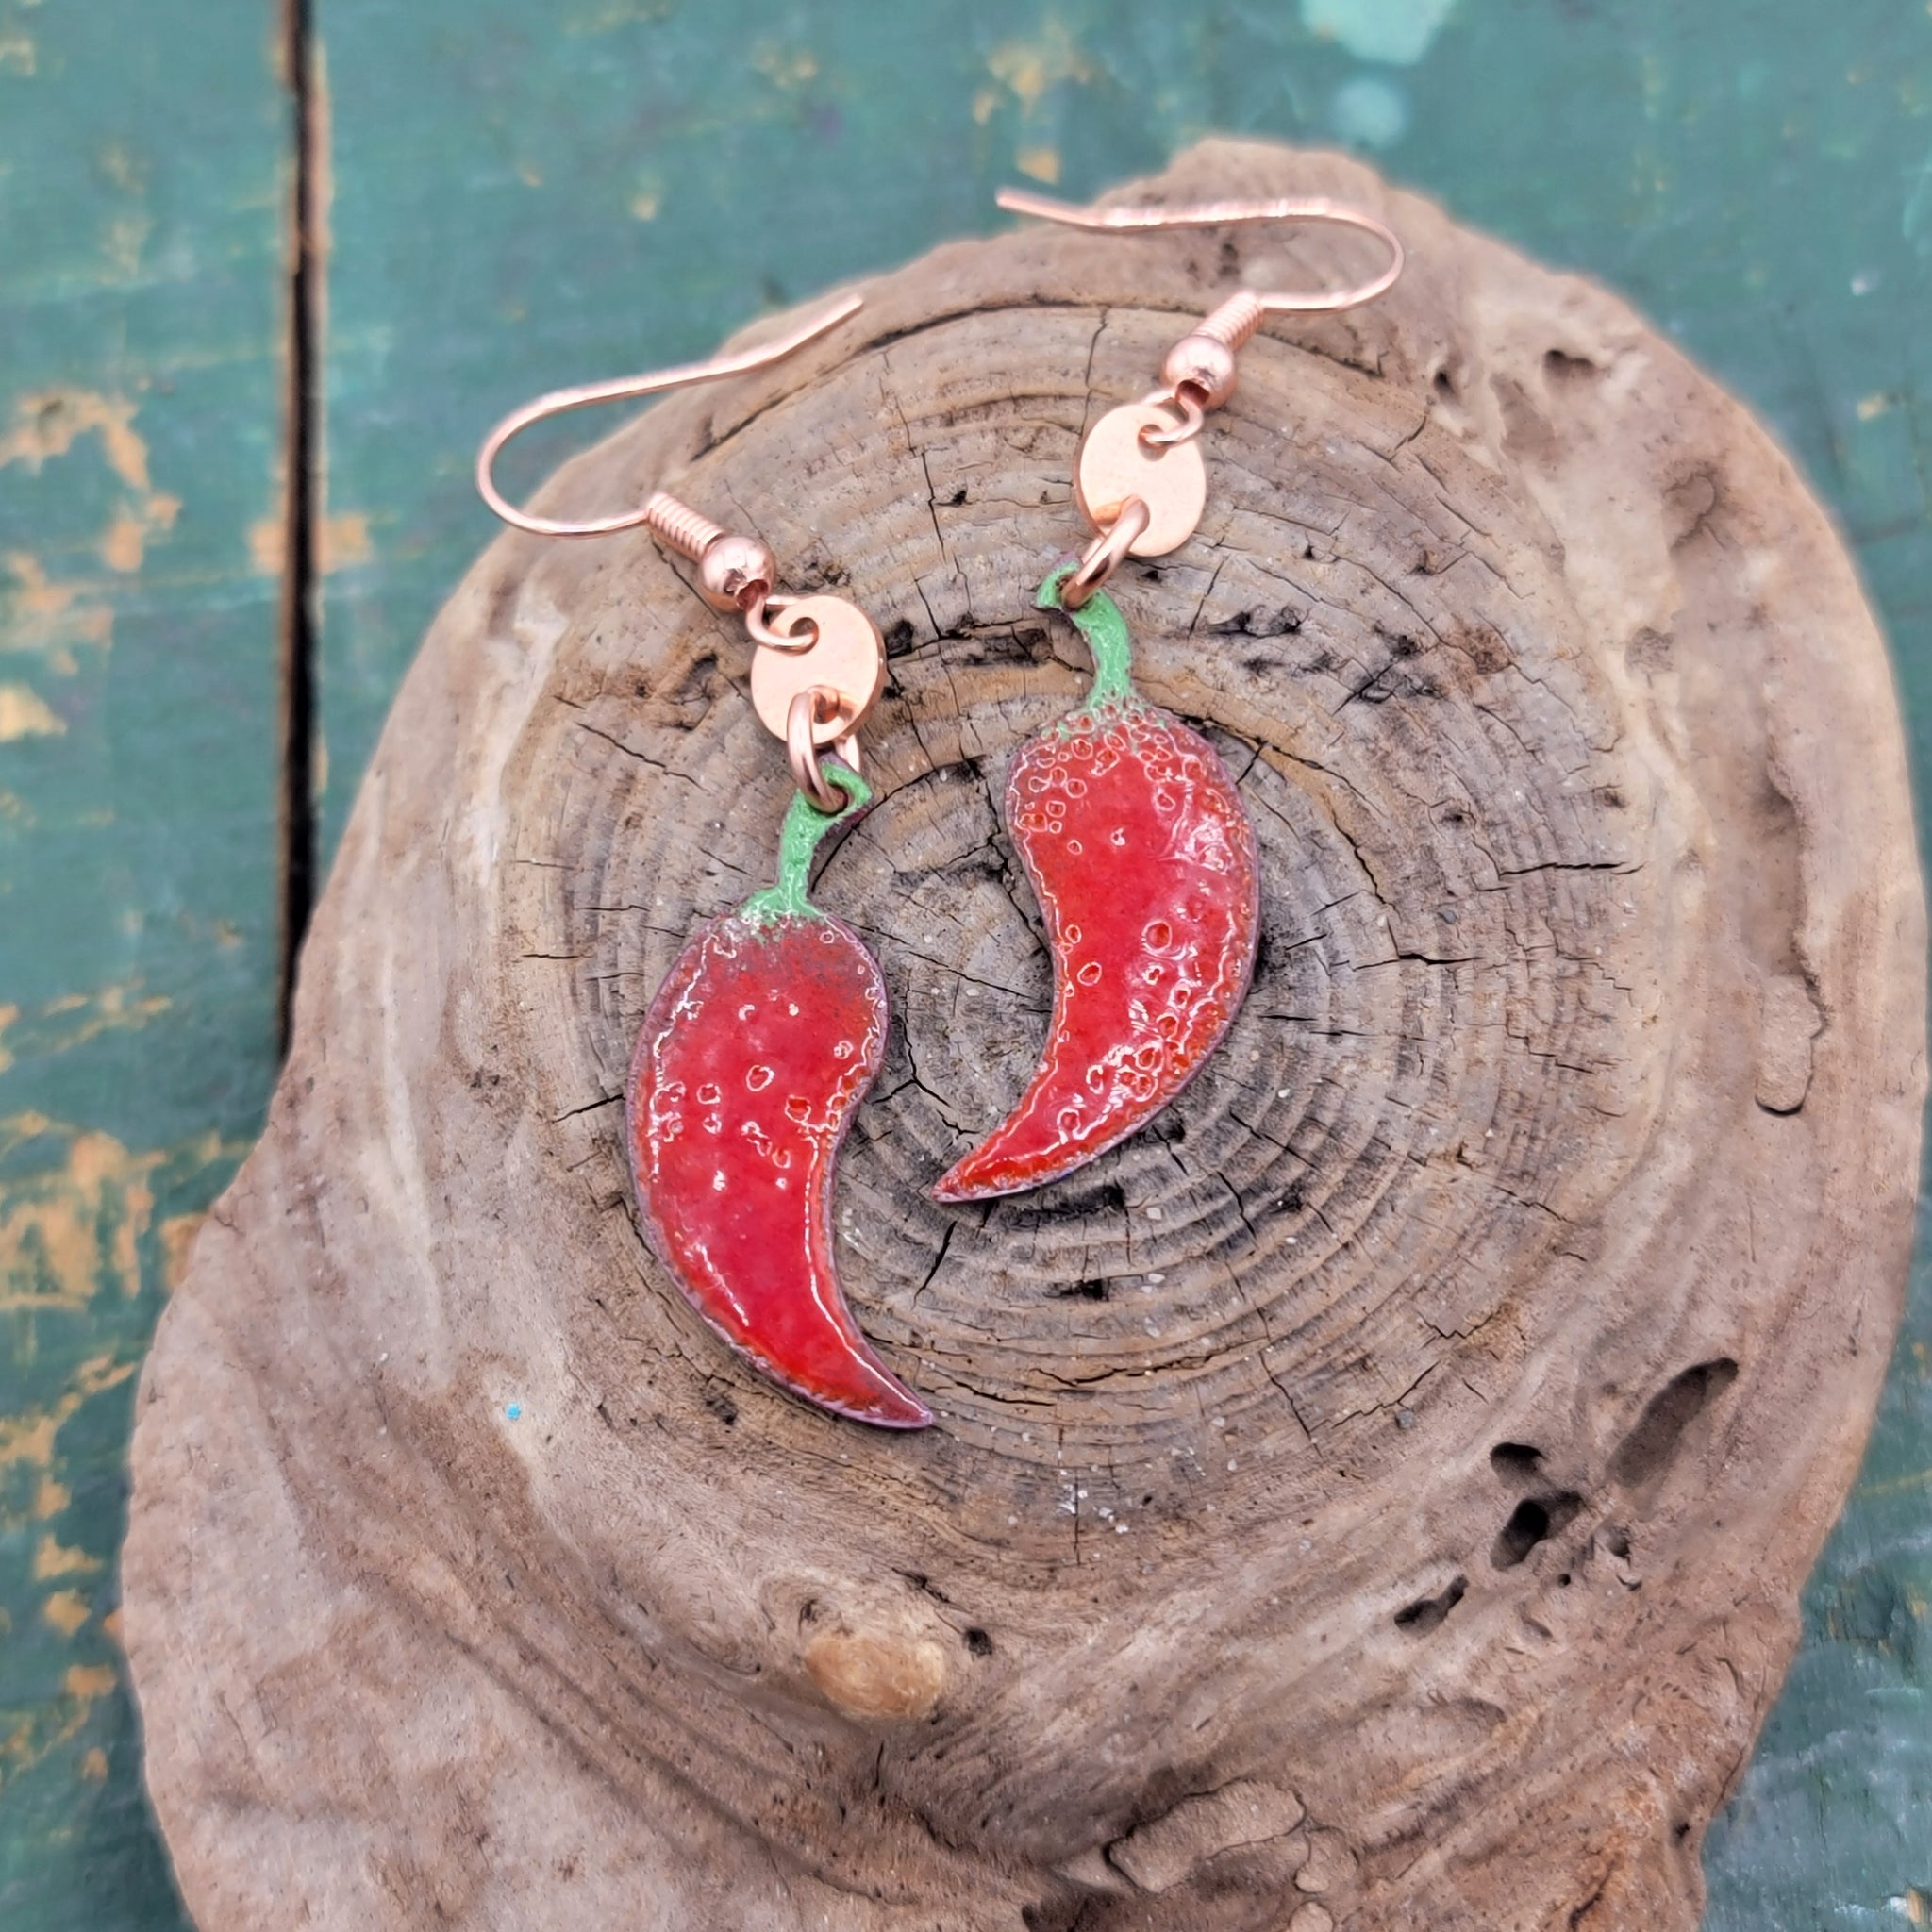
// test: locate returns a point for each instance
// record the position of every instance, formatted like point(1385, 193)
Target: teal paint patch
point(142, 272)
point(1917, 223)
point(1396, 31)
point(1370, 111)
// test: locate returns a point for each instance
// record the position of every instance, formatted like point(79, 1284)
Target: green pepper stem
point(1099, 621)
point(799, 839)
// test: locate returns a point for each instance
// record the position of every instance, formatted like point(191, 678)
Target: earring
point(1135, 840)
point(767, 1032)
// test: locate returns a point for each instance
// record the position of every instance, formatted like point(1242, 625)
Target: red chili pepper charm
point(1142, 858)
point(752, 1062)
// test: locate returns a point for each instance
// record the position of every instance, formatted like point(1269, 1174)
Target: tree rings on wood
point(1376, 1495)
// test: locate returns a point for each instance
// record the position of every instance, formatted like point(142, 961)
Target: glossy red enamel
point(754, 1058)
point(1142, 856)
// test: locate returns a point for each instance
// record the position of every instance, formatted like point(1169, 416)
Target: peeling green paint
point(1397, 31)
point(140, 408)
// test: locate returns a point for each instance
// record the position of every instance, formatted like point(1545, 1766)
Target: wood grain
point(1415, 1445)
point(141, 403)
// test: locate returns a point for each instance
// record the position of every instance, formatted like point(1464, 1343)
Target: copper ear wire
point(1198, 373)
point(1227, 214)
point(734, 571)
point(1137, 481)
point(680, 526)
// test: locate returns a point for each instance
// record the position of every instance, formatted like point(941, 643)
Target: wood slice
point(1378, 1494)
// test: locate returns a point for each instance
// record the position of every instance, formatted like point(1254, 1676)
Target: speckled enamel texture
point(751, 1063)
point(1142, 858)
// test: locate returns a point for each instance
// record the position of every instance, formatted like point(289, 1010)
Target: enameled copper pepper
point(750, 1064)
point(1143, 860)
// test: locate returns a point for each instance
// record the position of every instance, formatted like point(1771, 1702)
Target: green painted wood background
point(520, 194)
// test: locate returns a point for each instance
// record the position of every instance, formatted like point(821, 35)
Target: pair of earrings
point(763, 1038)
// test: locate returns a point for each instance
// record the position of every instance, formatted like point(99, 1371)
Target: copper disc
point(1115, 464)
point(848, 656)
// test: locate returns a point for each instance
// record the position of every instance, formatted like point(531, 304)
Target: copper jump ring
point(810, 710)
point(759, 628)
point(1105, 554)
point(1192, 417)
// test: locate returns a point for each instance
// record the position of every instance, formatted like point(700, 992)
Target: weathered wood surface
point(140, 405)
point(1754, 178)
point(1382, 1494)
